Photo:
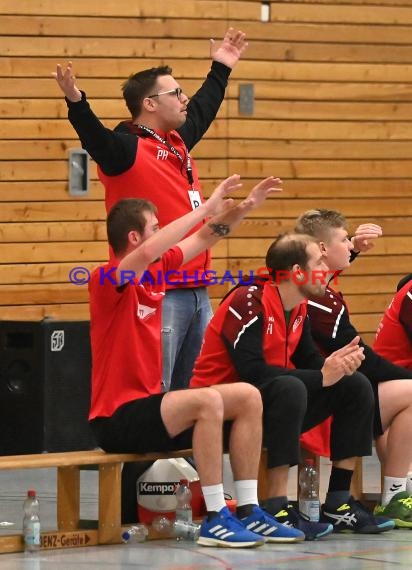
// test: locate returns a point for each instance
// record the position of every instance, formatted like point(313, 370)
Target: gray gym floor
point(350, 552)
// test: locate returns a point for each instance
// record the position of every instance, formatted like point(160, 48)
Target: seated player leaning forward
point(392, 385)
point(260, 334)
point(128, 411)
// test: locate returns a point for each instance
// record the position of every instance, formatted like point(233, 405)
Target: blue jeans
point(185, 315)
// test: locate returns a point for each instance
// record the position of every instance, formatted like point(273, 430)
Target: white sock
point(391, 486)
point(409, 483)
point(214, 497)
point(246, 492)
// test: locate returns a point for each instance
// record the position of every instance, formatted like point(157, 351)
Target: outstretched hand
point(230, 49)
point(67, 82)
point(218, 201)
point(261, 191)
point(363, 234)
point(229, 217)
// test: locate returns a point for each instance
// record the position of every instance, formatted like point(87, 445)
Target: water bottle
point(181, 530)
point(308, 496)
point(184, 502)
point(31, 522)
point(163, 526)
point(135, 533)
point(185, 530)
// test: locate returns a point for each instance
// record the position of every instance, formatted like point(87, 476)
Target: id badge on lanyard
point(195, 199)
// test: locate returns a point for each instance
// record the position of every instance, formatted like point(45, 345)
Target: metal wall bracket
point(246, 98)
point(78, 172)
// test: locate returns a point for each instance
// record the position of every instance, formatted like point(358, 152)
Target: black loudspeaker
point(45, 381)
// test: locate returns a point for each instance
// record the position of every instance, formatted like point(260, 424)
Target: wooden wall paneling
point(60, 231)
point(62, 312)
point(41, 273)
point(160, 9)
point(43, 190)
point(356, 2)
point(336, 12)
point(17, 46)
point(318, 150)
point(321, 188)
point(124, 27)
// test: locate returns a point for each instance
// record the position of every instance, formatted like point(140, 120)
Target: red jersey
point(234, 317)
point(394, 335)
point(158, 175)
point(332, 329)
point(125, 331)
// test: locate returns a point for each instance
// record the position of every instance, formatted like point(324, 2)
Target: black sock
point(339, 487)
point(244, 511)
point(275, 504)
point(211, 515)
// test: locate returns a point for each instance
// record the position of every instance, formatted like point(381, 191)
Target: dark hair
point(288, 250)
point(317, 223)
point(140, 85)
point(125, 216)
point(404, 281)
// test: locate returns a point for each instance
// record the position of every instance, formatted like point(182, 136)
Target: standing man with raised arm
point(148, 157)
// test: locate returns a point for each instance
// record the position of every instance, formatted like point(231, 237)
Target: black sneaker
point(354, 517)
point(289, 516)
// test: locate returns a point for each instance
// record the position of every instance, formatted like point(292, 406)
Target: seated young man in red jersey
point(394, 335)
point(331, 329)
point(260, 334)
point(129, 413)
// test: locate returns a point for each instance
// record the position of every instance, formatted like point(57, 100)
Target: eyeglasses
point(178, 92)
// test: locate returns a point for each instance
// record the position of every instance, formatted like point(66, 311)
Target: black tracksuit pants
point(289, 410)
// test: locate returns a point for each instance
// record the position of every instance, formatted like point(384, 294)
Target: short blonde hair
point(319, 222)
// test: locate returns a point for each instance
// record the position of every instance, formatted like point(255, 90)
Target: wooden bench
point(68, 465)
point(68, 495)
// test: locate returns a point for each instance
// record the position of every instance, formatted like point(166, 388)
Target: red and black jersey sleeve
point(332, 329)
point(242, 334)
point(405, 313)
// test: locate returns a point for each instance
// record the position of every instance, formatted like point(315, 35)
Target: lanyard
point(188, 166)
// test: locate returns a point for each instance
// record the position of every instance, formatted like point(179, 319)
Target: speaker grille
point(45, 373)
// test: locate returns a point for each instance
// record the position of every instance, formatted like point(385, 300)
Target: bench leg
point(68, 497)
point(110, 477)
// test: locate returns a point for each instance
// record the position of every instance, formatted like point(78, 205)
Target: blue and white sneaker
point(261, 522)
point(227, 531)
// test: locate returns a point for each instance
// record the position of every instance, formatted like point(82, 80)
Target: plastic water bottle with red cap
point(31, 522)
point(309, 504)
